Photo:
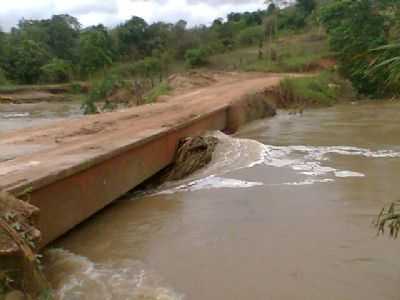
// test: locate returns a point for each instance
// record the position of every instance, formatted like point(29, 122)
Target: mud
point(249, 108)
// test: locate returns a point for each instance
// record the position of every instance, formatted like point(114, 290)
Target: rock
point(15, 295)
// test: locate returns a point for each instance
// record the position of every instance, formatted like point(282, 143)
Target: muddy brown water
point(284, 211)
point(19, 116)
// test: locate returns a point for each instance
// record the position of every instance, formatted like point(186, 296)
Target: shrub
point(56, 71)
point(100, 91)
point(147, 67)
point(251, 35)
point(196, 57)
point(324, 89)
point(3, 79)
point(162, 89)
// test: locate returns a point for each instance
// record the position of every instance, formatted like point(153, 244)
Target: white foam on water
point(16, 115)
point(232, 154)
point(348, 174)
point(309, 181)
point(76, 277)
point(210, 182)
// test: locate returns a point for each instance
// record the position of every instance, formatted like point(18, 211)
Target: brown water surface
point(286, 215)
point(18, 116)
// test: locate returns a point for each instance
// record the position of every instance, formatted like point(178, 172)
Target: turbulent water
point(283, 211)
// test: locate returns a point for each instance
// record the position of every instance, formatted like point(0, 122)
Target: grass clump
point(324, 89)
point(162, 89)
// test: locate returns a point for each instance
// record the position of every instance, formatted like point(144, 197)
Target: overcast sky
point(112, 12)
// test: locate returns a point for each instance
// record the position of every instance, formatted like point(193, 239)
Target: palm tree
point(388, 59)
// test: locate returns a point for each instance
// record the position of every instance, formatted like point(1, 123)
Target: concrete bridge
point(72, 169)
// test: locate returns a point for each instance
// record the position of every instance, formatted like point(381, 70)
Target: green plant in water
point(389, 218)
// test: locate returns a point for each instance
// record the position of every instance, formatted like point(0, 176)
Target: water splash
point(76, 277)
point(210, 182)
point(232, 154)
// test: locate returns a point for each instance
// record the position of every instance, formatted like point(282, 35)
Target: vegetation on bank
point(323, 89)
point(363, 37)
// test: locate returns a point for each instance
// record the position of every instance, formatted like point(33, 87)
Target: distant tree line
point(58, 49)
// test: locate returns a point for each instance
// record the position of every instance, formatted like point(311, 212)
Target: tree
point(306, 6)
point(251, 35)
point(355, 28)
point(96, 49)
point(63, 36)
point(131, 37)
point(148, 68)
point(25, 61)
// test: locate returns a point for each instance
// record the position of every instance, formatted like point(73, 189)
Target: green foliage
point(324, 89)
point(354, 28)
point(56, 71)
point(251, 35)
point(306, 6)
point(63, 36)
point(196, 57)
point(162, 89)
point(131, 36)
point(290, 53)
point(26, 60)
point(147, 67)
point(3, 79)
point(95, 49)
point(388, 60)
point(100, 91)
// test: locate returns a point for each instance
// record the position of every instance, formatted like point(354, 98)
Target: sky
point(113, 12)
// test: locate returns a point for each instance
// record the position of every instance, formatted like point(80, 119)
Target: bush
point(3, 79)
point(57, 71)
point(196, 57)
point(251, 35)
point(325, 89)
point(147, 67)
point(100, 90)
point(354, 28)
point(162, 89)
point(26, 60)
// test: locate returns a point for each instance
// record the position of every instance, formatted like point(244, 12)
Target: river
point(19, 116)
point(283, 212)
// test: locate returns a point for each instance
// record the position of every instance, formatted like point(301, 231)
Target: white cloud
point(112, 12)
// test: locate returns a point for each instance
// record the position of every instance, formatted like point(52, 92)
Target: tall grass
point(288, 53)
point(324, 89)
